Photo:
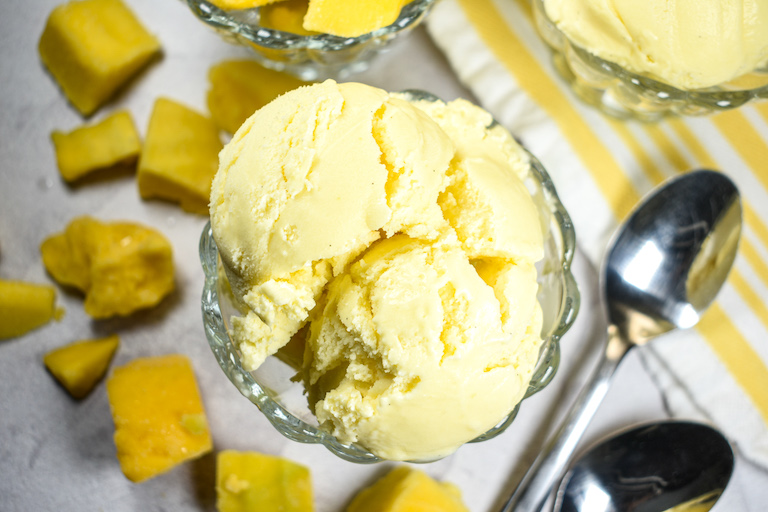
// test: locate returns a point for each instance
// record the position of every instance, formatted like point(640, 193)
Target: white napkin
point(717, 371)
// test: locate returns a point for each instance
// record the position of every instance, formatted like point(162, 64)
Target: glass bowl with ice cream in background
point(312, 39)
point(387, 274)
point(648, 60)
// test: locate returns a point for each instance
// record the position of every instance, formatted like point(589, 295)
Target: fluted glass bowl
point(282, 400)
point(624, 94)
point(307, 57)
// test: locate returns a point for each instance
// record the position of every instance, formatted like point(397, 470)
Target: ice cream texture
point(398, 240)
point(690, 44)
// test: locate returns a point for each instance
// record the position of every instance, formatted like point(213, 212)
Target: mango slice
point(24, 307)
point(351, 18)
point(106, 144)
point(249, 481)
point(158, 414)
point(239, 4)
point(180, 156)
point(92, 47)
point(286, 15)
point(406, 490)
point(240, 87)
point(79, 366)
point(122, 267)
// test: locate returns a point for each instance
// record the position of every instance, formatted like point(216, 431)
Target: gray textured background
point(58, 454)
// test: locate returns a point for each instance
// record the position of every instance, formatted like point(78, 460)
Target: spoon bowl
point(664, 267)
point(671, 257)
point(650, 468)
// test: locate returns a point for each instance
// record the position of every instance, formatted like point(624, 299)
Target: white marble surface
point(58, 454)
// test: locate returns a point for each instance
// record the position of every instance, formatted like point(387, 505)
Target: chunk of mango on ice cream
point(180, 156)
point(92, 48)
point(287, 16)
point(112, 141)
point(79, 366)
point(351, 18)
point(344, 18)
point(158, 414)
point(24, 307)
point(120, 266)
point(250, 481)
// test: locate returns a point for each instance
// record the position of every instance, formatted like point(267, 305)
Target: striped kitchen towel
point(717, 371)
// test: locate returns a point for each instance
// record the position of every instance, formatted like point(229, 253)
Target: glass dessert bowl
point(309, 57)
point(621, 93)
point(273, 386)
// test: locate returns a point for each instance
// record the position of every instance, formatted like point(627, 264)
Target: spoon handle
point(549, 466)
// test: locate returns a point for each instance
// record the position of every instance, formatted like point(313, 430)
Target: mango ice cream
point(396, 239)
point(690, 44)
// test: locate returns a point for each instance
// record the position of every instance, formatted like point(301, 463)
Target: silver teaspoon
point(662, 466)
point(664, 267)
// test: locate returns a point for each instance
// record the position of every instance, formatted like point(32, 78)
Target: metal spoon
point(671, 465)
point(663, 269)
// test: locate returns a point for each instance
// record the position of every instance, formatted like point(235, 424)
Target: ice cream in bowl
point(650, 59)
point(312, 39)
point(387, 274)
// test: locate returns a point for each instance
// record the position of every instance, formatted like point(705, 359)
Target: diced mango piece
point(239, 4)
point(351, 18)
point(240, 87)
point(249, 481)
point(92, 47)
point(286, 15)
point(80, 365)
point(24, 307)
point(158, 414)
point(122, 267)
point(106, 144)
point(408, 490)
point(180, 156)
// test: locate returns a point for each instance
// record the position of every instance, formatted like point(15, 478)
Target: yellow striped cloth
point(717, 371)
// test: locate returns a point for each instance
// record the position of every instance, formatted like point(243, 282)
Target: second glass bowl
point(281, 398)
point(624, 94)
point(308, 57)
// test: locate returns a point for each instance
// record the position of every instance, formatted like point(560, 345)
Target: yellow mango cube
point(286, 15)
point(408, 490)
point(92, 48)
point(24, 307)
point(79, 366)
point(106, 144)
point(180, 156)
point(239, 4)
point(120, 266)
point(250, 481)
point(240, 87)
point(158, 414)
point(351, 18)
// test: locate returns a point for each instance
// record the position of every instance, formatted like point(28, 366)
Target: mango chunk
point(180, 156)
point(286, 15)
point(158, 414)
point(121, 267)
point(249, 481)
point(240, 87)
point(106, 144)
point(408, 490)
point(24, 307)
point(79, 366)
point(239, 4)
point(351, 18)
point(92, 48)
